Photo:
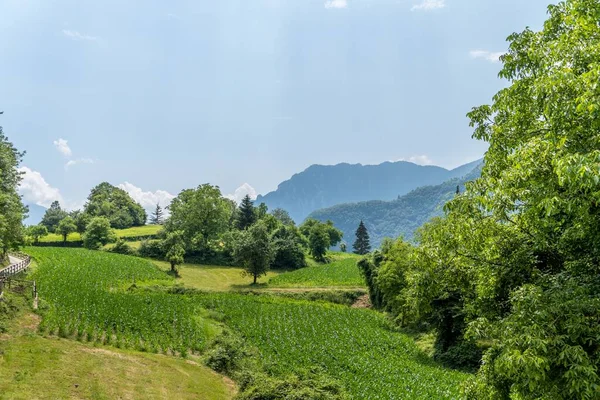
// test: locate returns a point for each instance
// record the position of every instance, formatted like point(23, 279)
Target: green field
point(85, 295)
point(134, 232)
point(340, 272)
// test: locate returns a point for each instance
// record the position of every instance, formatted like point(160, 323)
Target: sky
point(157, 97)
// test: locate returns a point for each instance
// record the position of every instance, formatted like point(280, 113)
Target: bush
point(227, 351)
point(121, 247)
point(465, 355)
point(151, 249)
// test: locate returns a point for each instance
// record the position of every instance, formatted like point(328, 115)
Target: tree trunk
point(172, 267)
point(255, 279)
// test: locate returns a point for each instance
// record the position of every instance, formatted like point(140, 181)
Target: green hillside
point(401, 217)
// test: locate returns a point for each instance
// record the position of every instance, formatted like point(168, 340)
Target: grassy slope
point(355, 346)
point(341, 272)
point(137, 231)
point(214, 278)
point(35, 367)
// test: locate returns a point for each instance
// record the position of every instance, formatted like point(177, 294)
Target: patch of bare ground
point(362, 302)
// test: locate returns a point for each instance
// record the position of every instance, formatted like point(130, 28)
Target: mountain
point(36, 213)
point(401, 217)
point(321, 186)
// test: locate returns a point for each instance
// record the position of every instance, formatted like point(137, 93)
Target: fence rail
point(13, 269)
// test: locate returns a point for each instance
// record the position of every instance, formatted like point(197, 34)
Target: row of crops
point(355, 346)
point(341, 272)
point(85, 296)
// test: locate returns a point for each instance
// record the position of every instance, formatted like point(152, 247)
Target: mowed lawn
point(35, 367)
point(136, 231)
point(215, 278)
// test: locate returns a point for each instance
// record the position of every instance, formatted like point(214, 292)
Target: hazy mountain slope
point(395, 218)
point(321, 186)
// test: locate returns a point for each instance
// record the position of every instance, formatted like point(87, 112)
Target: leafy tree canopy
point(53, 216)
point(106, 200)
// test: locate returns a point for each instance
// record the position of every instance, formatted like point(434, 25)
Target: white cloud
point(490, 56)
point(78, 36)
point(62, 146)
point(418, 159)
point(148, 200)
point(71, 163)
point(241, 192)
point(336, 4)
point(35, 189)
point(428, 5)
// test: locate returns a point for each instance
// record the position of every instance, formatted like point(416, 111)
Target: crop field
point(134, 232)
point(86, 296)
point(341, 272)
point(355, 346)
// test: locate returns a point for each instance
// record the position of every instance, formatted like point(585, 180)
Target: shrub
point(151, 249)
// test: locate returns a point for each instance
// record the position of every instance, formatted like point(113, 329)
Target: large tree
point(98, 233)
point(202, 214)
point(254, 250)
point(12, 210)
point(106, 200)
point(246, 215)
point(53, 216)
point(318, 241)
point(515, 261)
point(65, 227)
point(157, 217)
point(362, 244)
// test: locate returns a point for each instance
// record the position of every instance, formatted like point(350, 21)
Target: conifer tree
point(157, 217)
point(362, 244)
point(246, 214)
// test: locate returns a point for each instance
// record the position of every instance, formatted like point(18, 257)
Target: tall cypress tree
point(362, 245)
point(246, 214)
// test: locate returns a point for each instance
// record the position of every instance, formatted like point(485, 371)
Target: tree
point(287, 246)
point(157, 216)
point(283, 216)
point(37, 232)
point(98, 233)
point(247, 215)
point(173, 247)
point(81, 220)
point(335, 235)
point(203, 215)
point(318, 241)
point(254, 250)
point(457, 189)
point(65, 227)
point(362, 245)
point(53, 216)
point(12, 210)
point(106, 200)
point(343, 247)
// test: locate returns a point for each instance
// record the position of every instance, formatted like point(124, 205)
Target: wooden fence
point(8, 272)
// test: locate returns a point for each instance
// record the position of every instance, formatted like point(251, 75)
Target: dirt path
point(362, 302)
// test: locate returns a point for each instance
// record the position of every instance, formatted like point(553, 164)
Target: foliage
point(98, 233)
point(173, 247)
point(246, 215)
point(362, 244)
point(283, 216)
point(318, 242)
point(202, 214)
point(106, 200)
point(36, 232)
point(53, 216)
point(343, 247)
point(288, 248)
point(12, 210)
point(121, 247)
point(254, 250)
point(157, 217)
point(81, 220)
point(65, 227)
point(151, 249)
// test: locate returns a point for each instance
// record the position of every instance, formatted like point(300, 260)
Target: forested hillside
point(401, 217)
point(321, 186)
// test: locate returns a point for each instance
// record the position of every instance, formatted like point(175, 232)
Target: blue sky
point(161, 96)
